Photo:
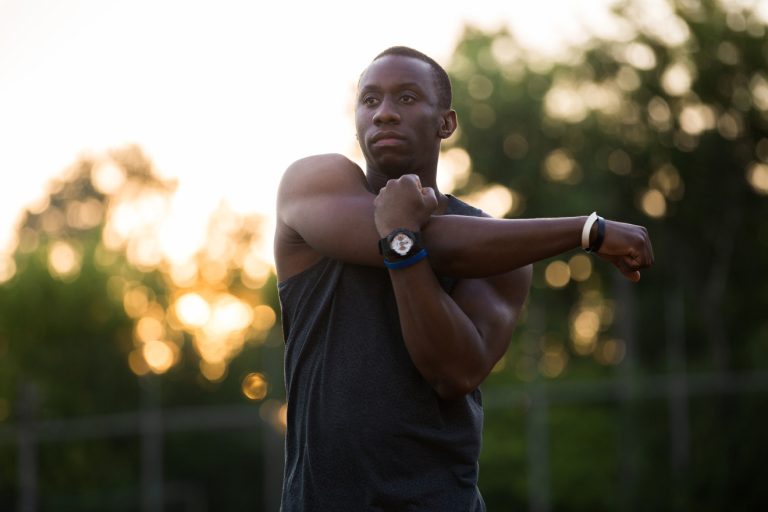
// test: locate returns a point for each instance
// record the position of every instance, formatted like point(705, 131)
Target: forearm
point(444, 344)
point(479, 247)
point(325, 207)
point(459, 246)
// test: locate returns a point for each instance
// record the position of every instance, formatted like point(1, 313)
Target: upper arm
point(493, 305)
point(324, 209)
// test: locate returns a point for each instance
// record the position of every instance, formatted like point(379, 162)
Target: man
point(397, 302)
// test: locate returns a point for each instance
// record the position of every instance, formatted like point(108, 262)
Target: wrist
point(400, 244)
point(593, 233)
point(407, 262)
point(385, 229)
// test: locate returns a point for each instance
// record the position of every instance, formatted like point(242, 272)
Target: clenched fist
point(403, 203)
point(628, 247)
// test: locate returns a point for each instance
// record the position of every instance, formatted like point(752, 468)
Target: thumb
point(429, 194)
point(629, 272)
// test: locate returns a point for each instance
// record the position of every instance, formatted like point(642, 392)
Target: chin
point(394, 165)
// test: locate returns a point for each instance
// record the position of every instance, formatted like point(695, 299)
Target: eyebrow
point(404, 85)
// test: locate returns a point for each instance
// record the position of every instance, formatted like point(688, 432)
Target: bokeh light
point(192, 310)
point(496, 200)
point(757, 176)
point(696, 118)
point(553, 361)
point(64, 260)
point(584, 327)
point(676, 79)
point(137, 363)
point(136, 301)
point(653, 203)
point(580, 266)
point(214, 371)
point(7, 267)
point(454, 169)
point(255, 386)
point(611, 351)
point(619, 162)
point(667, 180)
point(639, 55)
point(159, 355)
point(480, 87)
point(149, 329)
point(108, 176)
point(264, 317)
point(557, 274)
point(560, 166)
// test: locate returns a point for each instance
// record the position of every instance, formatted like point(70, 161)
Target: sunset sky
point(221, 96)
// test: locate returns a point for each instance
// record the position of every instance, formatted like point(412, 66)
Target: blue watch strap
point(395, 265)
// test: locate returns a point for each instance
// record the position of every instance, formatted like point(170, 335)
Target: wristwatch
point(400, 244)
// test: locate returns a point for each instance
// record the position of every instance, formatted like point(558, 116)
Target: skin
point(327, 207)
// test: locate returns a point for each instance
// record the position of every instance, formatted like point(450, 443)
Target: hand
point(403, 203)
point(628, 247)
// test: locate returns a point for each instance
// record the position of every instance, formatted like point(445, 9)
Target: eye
point(369, 100)
point(407, 99)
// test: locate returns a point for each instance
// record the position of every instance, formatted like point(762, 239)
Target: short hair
point(442, 82)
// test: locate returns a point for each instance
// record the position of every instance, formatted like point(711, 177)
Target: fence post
point(537, 425)
point(677, 398)
point(151, 444)
point(27, 444)
point(627, 381)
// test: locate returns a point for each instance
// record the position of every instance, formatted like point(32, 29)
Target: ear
point(448, 124)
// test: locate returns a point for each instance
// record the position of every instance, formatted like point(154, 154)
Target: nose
point(386, 113)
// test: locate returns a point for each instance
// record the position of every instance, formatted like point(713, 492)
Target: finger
point(632, 262)
point(411, 178)
point(630, 271)
point(428, 193)
point(649, 248)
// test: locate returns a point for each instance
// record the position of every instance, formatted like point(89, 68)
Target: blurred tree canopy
point(665, 126)
point(98, 303)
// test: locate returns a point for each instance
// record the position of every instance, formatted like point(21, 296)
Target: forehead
point(392, 71)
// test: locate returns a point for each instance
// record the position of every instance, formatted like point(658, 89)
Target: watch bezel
point(389, 253)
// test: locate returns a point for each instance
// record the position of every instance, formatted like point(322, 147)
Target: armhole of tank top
point(459, 207)
point(286, 282)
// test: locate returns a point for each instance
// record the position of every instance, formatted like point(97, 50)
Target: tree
point(95, 315)
point(665, 127)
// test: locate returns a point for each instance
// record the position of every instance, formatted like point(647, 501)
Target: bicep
point(325, 204)
point(493, 305)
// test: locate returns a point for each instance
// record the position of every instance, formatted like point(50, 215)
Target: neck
point(377, 179)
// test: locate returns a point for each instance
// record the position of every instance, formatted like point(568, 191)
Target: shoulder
point(320, 171)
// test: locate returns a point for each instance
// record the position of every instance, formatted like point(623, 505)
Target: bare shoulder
point(320, 173)
point(309, 204)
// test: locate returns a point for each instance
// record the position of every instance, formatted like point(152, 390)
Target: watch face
point(401, 244)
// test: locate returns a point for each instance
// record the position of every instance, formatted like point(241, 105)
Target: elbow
point(455, 387)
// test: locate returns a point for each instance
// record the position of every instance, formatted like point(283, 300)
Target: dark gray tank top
point(365, 431)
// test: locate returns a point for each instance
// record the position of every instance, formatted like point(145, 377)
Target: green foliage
point(648, 130)
point(65, 341)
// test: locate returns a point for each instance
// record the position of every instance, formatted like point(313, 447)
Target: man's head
point(403, 112)
point(442, 82)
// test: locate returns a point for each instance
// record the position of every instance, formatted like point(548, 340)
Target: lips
point(387, 138)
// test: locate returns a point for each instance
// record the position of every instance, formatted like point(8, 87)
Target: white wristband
point(587, 229)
